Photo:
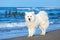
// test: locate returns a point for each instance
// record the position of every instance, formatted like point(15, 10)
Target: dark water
point(12, 21)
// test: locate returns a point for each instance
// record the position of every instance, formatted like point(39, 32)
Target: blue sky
point(29, 3)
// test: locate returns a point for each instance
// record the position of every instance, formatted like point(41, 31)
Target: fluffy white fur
point(33, 21)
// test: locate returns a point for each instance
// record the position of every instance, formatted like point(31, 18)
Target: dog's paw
point(42, 34)
point(29, 36)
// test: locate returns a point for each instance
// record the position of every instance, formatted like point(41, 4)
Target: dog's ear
point(33, 13)
point(26, 13)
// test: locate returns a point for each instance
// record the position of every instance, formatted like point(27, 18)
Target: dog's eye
point(27, 16)
point(30, 16)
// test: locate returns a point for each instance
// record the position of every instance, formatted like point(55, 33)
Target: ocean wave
point(20, 24)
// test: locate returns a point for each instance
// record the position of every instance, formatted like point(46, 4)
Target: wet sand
point(53, 35)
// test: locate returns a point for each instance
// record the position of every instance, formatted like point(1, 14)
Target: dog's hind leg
point(43, 29)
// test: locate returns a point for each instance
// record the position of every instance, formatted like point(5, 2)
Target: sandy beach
point(53, 35)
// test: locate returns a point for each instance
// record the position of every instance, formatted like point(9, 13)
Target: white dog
point(33, 21)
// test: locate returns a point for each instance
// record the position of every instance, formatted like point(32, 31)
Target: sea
point(12, 20)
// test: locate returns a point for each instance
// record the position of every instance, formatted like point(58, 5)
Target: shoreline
point(53, 35)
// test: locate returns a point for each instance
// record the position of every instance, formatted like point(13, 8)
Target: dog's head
point(29, 16)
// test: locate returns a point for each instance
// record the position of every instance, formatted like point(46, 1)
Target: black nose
point(29, 19)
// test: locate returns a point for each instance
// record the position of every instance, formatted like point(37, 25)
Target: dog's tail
point(44, 15)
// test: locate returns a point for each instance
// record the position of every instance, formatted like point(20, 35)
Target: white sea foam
point(21, 24)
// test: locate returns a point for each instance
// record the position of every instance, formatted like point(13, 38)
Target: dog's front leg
point(31, 31)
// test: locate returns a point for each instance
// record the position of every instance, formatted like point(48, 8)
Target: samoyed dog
point(39, 20)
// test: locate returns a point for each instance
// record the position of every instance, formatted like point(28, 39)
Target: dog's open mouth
point(29, 19)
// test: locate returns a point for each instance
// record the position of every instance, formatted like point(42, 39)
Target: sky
point(29, 3)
